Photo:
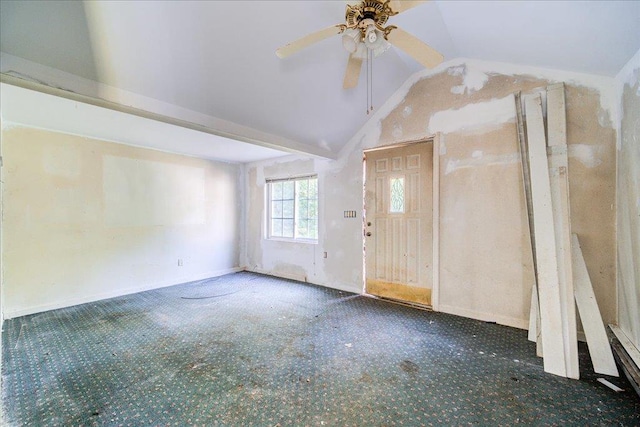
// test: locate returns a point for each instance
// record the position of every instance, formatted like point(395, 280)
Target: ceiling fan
point(365, 35)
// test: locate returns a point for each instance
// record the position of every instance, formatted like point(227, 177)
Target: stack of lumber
point(562, 279)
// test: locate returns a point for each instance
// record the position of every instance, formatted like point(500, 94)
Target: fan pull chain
point(369, 81)
point(368, 56)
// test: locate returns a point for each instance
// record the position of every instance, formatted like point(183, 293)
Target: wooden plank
point(610, 385)
point(629, 368)
point(597, 341)
point(556, 115)
point(535, 334)
point(560, 200)
point(546, 257)
point(435, 292)
point(631, 349)
point(558, 176)
point(539, 350)
point(533, 315)
point(534, 312)
point(524, 161)
point(526, 174)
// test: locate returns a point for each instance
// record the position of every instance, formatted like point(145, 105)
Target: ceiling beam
point(236, 132)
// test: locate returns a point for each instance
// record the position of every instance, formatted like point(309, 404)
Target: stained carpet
point(246, 349)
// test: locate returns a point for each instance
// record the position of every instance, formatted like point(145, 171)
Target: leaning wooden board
point(599, 348)
point(545, 241)
point(559, 179)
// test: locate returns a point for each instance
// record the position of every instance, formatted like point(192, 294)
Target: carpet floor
point(252, 350)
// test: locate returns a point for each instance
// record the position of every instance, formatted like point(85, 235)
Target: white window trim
point(269, 181)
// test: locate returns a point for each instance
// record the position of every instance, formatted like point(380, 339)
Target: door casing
point(397, 156)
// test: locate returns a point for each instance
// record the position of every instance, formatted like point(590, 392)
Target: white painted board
point(559, 180)
point(534, 321)
point(599, 347)
point(545, 244)
point(533, 315)
point(556, 115)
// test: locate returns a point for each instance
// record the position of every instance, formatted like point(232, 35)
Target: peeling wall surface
point(485, 252)
point(629, 202)
point(87, 219)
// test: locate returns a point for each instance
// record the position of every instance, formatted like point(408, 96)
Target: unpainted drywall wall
point(485, 253)
point(87, 219)
point(629, 201)
point(338, 236)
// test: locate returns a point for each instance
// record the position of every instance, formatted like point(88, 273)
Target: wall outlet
point(179, 262)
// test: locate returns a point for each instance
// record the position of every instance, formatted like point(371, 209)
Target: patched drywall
point(485, 253)
point(629, 202)
point(87, 219)
point(339, 237)
point(485, 260)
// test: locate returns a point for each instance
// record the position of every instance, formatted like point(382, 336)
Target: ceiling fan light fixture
point(374, 39)
point(361, 51)
point(381, 47)
point(351, 40)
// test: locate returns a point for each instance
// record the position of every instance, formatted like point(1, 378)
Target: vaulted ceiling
point(216, 59)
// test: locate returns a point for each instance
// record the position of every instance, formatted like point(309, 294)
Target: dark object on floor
point(278, 352)
point(629, 368)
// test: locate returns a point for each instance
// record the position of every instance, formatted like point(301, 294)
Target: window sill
point(284, 239)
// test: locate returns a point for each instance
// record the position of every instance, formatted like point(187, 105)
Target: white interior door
point(399, 222)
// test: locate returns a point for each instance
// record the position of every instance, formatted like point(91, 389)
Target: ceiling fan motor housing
point(376, 10)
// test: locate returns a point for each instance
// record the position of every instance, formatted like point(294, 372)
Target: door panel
point(399, 219)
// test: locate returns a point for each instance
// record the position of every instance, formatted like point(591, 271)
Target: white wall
point(628, 199)
point(86, 219)
point(340, 237)
point(485, 254)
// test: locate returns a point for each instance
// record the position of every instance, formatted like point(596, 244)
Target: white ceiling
point(217, 57)
point(20, 106)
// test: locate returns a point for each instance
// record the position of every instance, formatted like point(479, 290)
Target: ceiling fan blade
point(308, 40)
point(352, 75)
point(399, 6)
point(414, 47)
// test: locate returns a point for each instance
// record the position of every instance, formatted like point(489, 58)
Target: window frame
point(269, 210)
point(402, 179)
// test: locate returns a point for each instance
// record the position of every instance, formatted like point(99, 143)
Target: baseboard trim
point(342, 288)
point(12, 313)
point(296, 277)
point(485, 317)
point(303, 279)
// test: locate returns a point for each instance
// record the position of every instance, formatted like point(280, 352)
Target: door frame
point(435, 140)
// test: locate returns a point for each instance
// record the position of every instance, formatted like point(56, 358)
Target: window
point(293, 208)
point(397, 195)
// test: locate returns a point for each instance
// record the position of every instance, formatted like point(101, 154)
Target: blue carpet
point(246, 349)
